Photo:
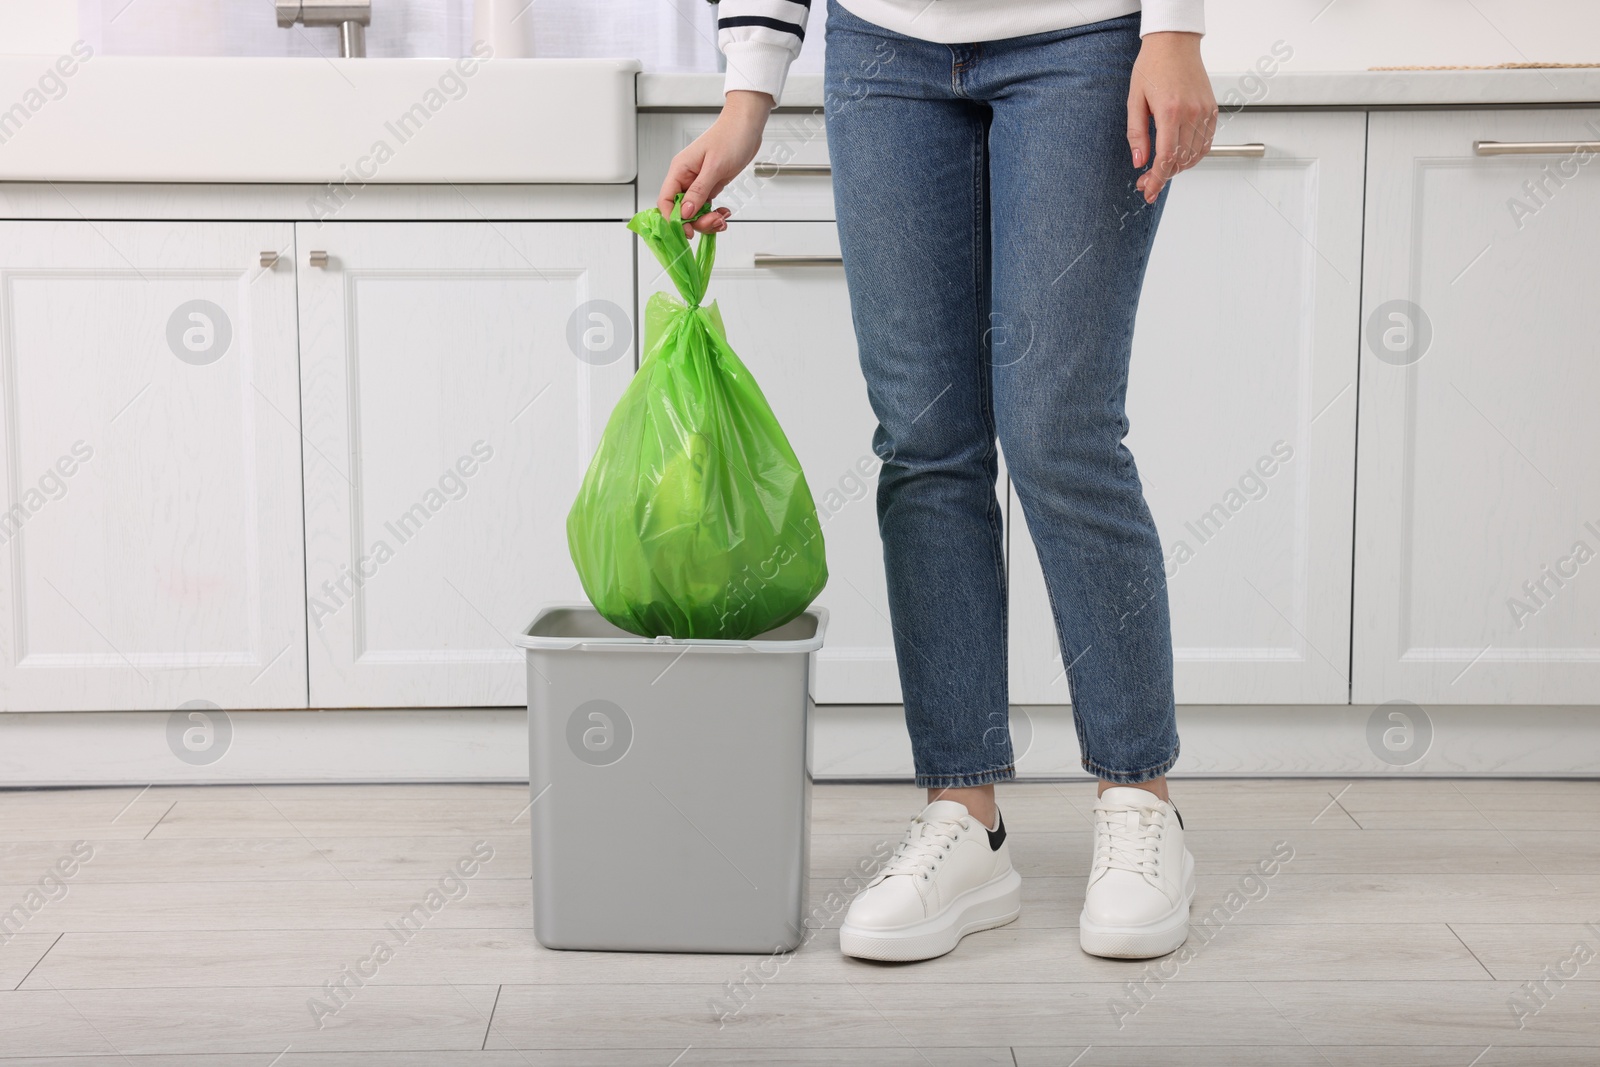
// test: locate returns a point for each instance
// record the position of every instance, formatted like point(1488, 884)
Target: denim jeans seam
point(981, 279)
point(1132, 777)
point(1066, 669)
point(981, 274)
point(966, 781)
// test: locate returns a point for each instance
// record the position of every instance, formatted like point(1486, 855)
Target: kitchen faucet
point(351, 16)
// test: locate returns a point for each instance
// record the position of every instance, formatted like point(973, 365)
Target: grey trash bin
point(671, 784)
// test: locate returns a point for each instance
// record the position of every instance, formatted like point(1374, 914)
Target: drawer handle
point(1237, 151)
point(319, 258)
point(793, 170)
point(1533, 148)
point(766, 260)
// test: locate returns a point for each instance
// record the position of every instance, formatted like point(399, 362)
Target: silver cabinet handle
point(767, 260)
point(1237, 151)
point(1533, 148)
point(793, 170)
point(269, 259)
point(319, 258)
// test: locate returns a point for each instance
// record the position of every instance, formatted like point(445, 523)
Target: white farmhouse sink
point(315, 120)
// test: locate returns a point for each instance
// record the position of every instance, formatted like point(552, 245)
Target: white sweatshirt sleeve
point(760, 38)
point(1159, 16)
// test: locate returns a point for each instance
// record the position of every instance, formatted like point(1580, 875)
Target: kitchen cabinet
point(1478, 512)
point(339, 478)
point(789, 320)
point(456, 377)
point(151, 446)
point(1242, 402)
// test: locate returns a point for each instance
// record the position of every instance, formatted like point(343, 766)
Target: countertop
point(1286, 88)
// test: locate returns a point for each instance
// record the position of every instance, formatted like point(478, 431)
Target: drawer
point(788, 181)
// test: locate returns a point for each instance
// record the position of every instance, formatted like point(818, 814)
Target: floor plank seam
point(490, 1027)
point(153, 825)
point(1485, 966)
point(38, 961)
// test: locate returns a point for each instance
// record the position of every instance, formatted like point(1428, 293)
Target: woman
point(999, 170)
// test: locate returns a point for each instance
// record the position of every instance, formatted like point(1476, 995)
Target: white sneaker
point(949, 877)
point(1137, 904)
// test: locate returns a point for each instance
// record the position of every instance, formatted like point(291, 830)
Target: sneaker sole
point(985, 907)
point(1145, 940)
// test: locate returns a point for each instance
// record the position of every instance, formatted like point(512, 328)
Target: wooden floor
point(1401, 932)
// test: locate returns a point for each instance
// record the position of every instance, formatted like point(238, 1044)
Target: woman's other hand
point(716, 157)
point(1169, 84)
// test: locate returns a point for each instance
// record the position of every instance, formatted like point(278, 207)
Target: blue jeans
point(994, 245)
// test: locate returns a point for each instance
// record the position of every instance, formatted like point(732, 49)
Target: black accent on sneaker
point(997, 837)
point(1179, 814)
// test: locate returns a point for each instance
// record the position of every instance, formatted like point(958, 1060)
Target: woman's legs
point(1071, 238)
point(910, 172)
point(909, 179)
point(971, 181)
point(980, 799)
point(995, 246)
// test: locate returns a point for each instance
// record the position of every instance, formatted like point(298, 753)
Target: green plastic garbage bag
point(694, 520)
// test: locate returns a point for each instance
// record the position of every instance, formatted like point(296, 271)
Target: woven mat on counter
point(1504, 66)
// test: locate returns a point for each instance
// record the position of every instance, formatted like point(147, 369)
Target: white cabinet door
point(1478, 518)
point(1242, 403)
point(152, 536)
point(791, 326)
point(456, 377)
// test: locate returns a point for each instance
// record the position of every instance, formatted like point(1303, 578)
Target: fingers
point(706, 185)
point(1183, 138)
point(1165, 164)
point(696, 179)
point(1208, 133)
point(712, 221)
point(1139, 128)
point(1195, 133)
point(693, 180)
point(679, 175)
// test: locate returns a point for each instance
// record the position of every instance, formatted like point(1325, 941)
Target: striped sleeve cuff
point(1164, 16)
point(758, 66)
point(760, 38)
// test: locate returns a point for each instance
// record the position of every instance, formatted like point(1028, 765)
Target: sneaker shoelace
point(1129, 839)
point(924, 844)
